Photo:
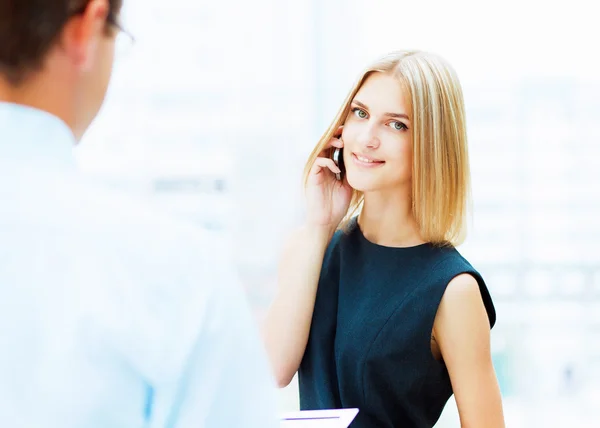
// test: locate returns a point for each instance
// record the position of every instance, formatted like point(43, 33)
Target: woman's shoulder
point(447, 256)
point(343, 235)
point(453, 265)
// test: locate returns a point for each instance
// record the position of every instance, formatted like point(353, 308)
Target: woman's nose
point(369, 138)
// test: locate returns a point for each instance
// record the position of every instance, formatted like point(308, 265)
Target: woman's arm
point(462, 330)
point(288, 320)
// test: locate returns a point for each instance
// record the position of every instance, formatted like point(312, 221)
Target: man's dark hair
point(29, 29)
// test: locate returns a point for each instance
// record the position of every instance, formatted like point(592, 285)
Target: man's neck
point(40, 93)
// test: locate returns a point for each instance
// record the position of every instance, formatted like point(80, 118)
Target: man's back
point(111, 315)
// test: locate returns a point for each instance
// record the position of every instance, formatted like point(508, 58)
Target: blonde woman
point(379, 310)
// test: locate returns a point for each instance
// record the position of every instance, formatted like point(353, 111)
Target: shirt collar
point(30, 135)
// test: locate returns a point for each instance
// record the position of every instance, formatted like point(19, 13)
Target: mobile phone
point(338, 158)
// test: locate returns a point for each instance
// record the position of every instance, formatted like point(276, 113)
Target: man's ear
point(83, 33)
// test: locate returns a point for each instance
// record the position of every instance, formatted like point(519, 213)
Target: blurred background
point(213, 110)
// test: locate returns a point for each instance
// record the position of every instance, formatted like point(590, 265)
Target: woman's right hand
point(328, 199)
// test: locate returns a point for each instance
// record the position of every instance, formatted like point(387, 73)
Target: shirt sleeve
point(226, 380)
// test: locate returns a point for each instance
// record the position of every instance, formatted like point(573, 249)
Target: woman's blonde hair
point(440, 173)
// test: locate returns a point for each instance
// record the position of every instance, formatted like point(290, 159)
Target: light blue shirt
point(112, 315)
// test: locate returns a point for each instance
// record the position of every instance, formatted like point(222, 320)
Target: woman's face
point(377, 136)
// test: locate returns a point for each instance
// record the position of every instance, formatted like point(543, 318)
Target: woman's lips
point(366, 161)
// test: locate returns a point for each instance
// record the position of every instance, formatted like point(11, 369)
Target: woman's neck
point(387, 219)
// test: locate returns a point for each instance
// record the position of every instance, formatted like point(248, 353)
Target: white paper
point(333, 418)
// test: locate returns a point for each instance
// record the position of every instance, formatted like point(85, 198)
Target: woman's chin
point(362, 184)
point(366, 183)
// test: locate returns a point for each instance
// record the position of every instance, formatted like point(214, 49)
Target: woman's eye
point(360, 113)
point(398, 126)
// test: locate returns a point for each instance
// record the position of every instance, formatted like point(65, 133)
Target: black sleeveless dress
point(369, 344)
